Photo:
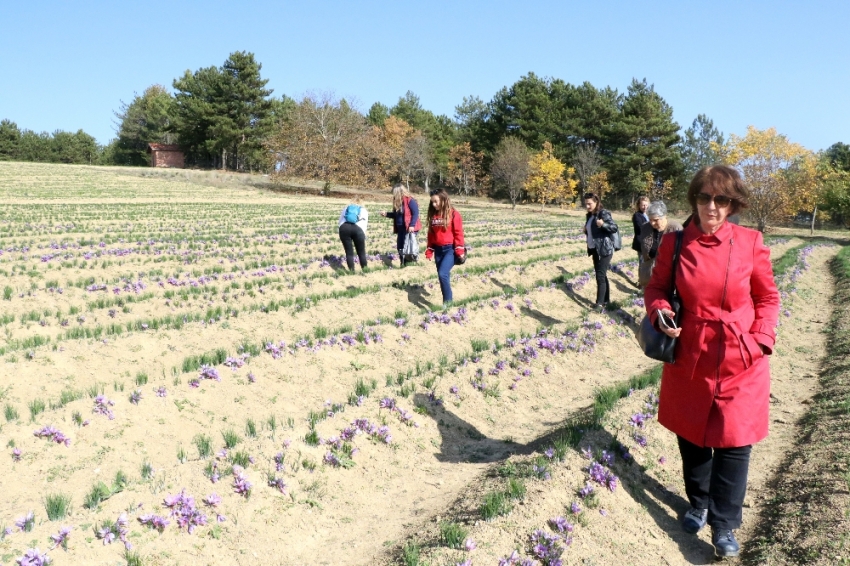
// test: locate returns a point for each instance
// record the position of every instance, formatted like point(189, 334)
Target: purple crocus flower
point(61, 538)
point(16, 454)
point(33, 557)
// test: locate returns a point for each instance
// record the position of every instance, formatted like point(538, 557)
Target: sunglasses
point(722, 201)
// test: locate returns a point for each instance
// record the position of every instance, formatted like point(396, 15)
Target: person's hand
point(599, 222)
point(429, 254)
point(411, 229)
point(460, 251)
point(671, 332)
point(384, 213)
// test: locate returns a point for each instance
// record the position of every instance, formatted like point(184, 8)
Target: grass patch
point(231, 439)
point(452, 534)
point(57, 506)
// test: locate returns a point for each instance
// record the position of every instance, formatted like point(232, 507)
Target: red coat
point(717, 393)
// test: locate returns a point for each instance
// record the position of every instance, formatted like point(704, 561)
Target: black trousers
point(716, 479)
point(600, 267)
point(352, 236)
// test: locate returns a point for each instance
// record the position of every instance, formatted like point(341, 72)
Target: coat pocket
point(752, 348)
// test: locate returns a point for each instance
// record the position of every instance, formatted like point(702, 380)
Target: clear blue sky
point(68, 65)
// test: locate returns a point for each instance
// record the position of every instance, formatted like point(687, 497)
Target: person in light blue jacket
point(353, 222)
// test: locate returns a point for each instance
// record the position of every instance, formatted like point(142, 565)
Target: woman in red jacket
point(715, 397)
point(445, 238)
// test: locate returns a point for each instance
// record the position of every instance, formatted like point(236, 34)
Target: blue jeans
point(444, 257)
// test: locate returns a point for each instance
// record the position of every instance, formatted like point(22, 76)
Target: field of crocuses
point(189, 376)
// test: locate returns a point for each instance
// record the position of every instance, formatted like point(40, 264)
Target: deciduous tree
point(765, 158)
point(326, 139)
point(465, 170)
point(548, 178)
point(510, 167)
point(586, 163)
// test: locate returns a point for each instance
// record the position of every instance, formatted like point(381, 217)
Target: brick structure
point(165, 155)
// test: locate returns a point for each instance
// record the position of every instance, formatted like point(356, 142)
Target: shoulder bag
point(655, 343)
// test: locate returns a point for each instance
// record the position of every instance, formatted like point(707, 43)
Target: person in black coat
point(599, 229)
point(639, 218)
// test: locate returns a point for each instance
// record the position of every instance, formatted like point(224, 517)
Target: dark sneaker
point(694, 520)
point(724, 543)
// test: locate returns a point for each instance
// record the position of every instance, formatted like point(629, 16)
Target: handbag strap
point(676, 252)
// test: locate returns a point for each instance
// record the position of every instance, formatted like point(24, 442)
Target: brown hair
point(720, 179)
point(445, 213)
point(640, 199)
point(595, 198)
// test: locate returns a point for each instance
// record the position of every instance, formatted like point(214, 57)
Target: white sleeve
point(342, 216)
point(363, 219)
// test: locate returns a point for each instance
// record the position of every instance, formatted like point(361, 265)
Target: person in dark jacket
point(639, 218)
point(599, 229)
point(405, 215)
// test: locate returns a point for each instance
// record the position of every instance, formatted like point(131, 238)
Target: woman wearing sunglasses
point(715, 397)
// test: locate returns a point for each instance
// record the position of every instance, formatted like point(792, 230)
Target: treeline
point(58, 147)
point(539, 139)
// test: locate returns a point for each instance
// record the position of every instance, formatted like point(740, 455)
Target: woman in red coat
point(716, 396)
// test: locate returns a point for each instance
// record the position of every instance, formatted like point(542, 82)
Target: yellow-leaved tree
point(546, 179)
point(656, 189)
point(772, 167)
point(598, 184)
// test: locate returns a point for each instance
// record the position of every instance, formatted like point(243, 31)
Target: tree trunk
point(814, 215)
point(223, 159)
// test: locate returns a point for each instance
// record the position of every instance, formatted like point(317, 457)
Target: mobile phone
point(666, 321)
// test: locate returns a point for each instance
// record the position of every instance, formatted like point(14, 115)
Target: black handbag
point(655, 343)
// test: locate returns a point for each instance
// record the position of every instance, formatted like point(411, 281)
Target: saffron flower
point(61, 538)
point(136, 396)
point(16, 454)
point(161, 391)
point(33, 557)
point(469, 545)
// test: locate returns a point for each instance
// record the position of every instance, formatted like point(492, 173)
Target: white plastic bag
point(410, 252)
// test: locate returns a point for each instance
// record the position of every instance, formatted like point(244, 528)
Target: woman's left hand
point(411, 229)
point(599, 222)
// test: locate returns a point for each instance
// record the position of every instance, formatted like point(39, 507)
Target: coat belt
point(728, 319)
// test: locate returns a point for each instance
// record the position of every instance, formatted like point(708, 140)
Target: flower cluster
point(241, 485)
point(102, 406)
point(209, 372)
point(184, 512)
point(404, 416)
point(33, 557)
point(108, 532)
point(157, 522)
point(548, 547)
point(602, 475)
point(51, 433)
point(513, 559)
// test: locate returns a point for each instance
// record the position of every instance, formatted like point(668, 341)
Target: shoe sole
point(733, 554)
